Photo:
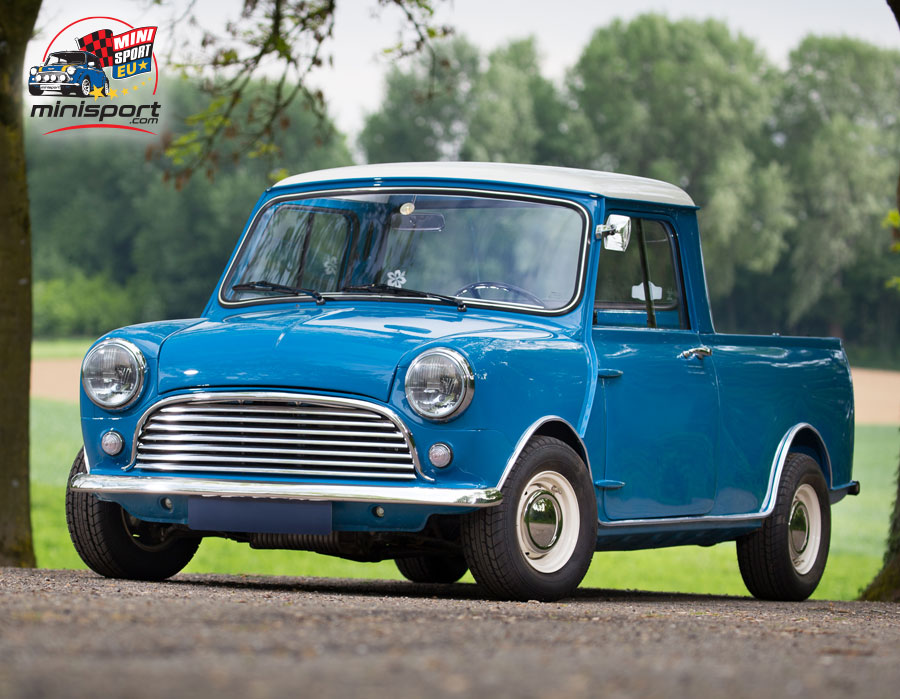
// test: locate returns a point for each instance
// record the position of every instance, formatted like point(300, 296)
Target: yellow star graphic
point(125, 91)
point(134, 87)
point(97, 92)
point(113, 94)
point(143, 65)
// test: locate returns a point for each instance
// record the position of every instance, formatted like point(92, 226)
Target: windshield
point(55, 59)
point(481, 249)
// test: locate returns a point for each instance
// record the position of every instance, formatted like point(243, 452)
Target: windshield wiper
point(280, 288)
point(400, 291)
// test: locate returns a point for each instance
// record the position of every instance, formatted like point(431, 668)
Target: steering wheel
point(509, 288)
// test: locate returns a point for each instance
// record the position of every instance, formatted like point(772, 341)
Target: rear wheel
point(785, 558)
point(538, 542)
point(432, 568)
point(117, 545)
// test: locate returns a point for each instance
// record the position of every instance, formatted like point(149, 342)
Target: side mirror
point(616, 232)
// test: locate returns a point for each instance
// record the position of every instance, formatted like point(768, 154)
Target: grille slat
point(202, 448)
point(221, 439)
point(255, 410)
point(197, 459)
point(185, 417)
point(265, 430)
point(309, 437)
point(335, 473)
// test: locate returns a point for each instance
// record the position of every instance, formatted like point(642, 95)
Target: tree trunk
point(886, 585)
point(16, 548)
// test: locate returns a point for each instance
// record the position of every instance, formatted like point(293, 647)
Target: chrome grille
point(285, 436)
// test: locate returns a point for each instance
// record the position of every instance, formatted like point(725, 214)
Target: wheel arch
point(808, 441)
point(548, 426)
point(802, 438)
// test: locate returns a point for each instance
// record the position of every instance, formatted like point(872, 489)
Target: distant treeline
point(794, 171)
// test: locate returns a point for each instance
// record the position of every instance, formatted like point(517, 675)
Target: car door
point(655, 419)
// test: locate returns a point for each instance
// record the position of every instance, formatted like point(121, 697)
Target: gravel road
point(73, 634)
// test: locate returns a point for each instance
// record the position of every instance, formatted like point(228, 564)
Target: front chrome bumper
point(137, 485)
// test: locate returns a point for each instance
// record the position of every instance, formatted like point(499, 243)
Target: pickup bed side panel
point(767, 385)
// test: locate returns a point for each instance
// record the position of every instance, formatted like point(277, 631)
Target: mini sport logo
point(80, 61)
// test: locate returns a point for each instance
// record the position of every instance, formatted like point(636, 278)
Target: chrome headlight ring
point(113, 373)
point(440, 384)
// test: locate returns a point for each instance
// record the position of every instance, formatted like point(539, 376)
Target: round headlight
point(63, 77)
point(70, 70)
point(113, 373)
point(440, 384)
point(33, 70)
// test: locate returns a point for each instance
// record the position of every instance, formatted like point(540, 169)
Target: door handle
point(699, 352)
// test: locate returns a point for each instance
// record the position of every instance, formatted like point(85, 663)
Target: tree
point(426, 108)
point(288, 34)
point(512, 91)
point(886, 585)
point(501, 109)
point(292, 35)
point(688, 102)
point(837, 126)
point(16, 548)
point(128, 262)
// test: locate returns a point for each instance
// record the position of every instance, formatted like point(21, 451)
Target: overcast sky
point(562, 27)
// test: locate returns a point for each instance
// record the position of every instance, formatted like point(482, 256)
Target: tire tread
point(763, 555)
point(89, 520)
point(486, 541)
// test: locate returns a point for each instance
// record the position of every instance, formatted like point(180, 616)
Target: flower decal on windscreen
point(397, 278)
point(330, 265)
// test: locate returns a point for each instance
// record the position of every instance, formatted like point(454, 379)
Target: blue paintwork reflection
point(659, 427)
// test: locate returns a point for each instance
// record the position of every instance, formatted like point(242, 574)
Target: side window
point(622, 288)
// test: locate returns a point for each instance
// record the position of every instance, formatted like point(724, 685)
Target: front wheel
point(86, 87)
point(785, 558)
point(116, 545)
point(538, 542)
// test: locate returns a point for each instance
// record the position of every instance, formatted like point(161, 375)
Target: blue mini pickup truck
point(463, 366)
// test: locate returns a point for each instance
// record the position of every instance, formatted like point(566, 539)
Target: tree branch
point(292, 36)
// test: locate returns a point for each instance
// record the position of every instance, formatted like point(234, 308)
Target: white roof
point(606, 184)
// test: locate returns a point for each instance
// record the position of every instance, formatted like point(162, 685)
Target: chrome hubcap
point(804, 529)
point(543, 519)
point(799, 528)
point(547, 522)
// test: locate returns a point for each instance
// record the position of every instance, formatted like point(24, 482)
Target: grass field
point(67, 348)
point(859, 528)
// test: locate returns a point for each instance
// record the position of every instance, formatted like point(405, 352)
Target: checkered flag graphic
point(99, 43)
